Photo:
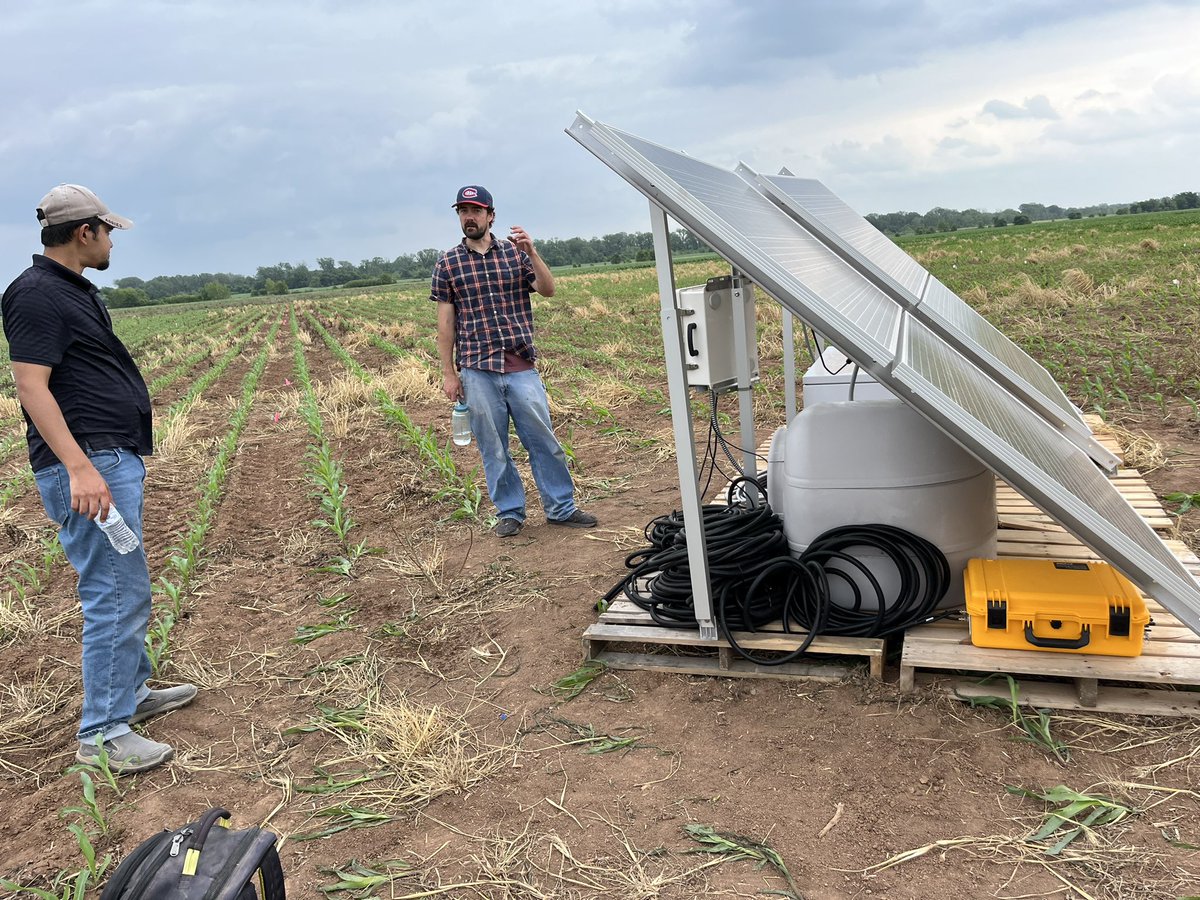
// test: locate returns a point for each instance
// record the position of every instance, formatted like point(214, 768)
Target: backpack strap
point(270, 876)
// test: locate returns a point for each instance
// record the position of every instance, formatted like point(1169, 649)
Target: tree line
point(620, 247)
point(284, 277)
point(941, 219)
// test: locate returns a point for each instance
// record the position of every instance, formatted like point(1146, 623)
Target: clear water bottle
point(460, 422)
point(118, 532)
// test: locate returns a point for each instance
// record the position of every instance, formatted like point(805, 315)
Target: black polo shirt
point(55, 318)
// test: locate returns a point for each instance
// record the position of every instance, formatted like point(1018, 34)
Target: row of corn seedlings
point(195, 357)
point(184, 558)
point(453, 488)
point(201, 384)
point(325, 471)
point(326, 474)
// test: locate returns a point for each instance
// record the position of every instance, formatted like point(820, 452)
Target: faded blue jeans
point(114, 590)
point(494, 399)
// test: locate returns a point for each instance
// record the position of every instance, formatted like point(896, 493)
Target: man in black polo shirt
point(88, 425)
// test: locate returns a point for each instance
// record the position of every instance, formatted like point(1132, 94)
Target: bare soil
point(836, 778)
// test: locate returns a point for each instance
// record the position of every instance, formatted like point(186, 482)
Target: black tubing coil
point(755, 580)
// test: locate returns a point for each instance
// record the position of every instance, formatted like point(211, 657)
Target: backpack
point(204, 860)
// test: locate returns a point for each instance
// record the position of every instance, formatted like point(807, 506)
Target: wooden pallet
point(624, 628)
point(1145, 685)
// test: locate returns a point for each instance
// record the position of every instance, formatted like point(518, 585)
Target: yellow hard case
point(1057, 605)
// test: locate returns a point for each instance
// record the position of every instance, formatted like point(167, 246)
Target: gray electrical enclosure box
point(828, 380)
point(706, 314)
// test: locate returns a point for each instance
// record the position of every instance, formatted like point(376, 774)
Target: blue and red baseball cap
point(474, 195)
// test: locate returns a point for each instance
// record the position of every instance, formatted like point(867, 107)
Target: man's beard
point(474, 231)
point(100, 267)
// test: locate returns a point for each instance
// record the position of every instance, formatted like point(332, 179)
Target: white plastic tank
point(880, 462)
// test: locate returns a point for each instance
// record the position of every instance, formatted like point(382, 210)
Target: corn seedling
point(1075, 814)
point(332, 784)
point(1186, 501)
point(99, 766)
point(90, 808)
point(353, 660)
point(306, 634)
point(333, 718)
point(342, 818)
point(1037, 729)
point(95, 868)
point(68, 886)
point(572, 685)
point(362, 879)
point(732, 848)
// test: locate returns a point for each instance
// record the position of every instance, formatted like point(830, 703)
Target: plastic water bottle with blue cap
point(118, 532)
point(460, 421)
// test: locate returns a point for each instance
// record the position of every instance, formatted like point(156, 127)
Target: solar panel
point(736, 219)
point(1031, 455)
point(851, 290)
point(933, 303)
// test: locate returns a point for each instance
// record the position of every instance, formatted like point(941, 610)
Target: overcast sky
point(239, 134)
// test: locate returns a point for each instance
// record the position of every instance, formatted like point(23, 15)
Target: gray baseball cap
point(72, 202)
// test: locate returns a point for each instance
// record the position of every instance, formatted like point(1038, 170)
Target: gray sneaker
point(577, 519)
point(508, 527)
point(163, 700)
point(127, 754)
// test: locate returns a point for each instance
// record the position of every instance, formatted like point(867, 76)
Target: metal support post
point(745, 335)
point(789, 367)
point(681, 419)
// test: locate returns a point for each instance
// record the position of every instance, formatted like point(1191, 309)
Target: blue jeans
point(494, 399)
point(114, 590)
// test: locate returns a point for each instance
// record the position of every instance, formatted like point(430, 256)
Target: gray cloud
point(965, 148)
point(1033, 108)
point(886, 155)
point(746, 41)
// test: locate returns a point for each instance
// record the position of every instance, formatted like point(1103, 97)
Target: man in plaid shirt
point(485, 341)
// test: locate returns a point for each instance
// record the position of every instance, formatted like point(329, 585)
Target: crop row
point(185, 557)
point(459, 491)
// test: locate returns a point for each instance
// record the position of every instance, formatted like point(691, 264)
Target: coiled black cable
point(755, 580)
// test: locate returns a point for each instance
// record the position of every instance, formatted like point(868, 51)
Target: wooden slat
point(709, 665)
point(1161, 667)
point(1049, 695)
point(673, 637)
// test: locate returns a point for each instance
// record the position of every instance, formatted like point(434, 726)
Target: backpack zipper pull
point(177, 841)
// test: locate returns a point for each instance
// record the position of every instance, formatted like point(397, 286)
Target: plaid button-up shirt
point(490, 293)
